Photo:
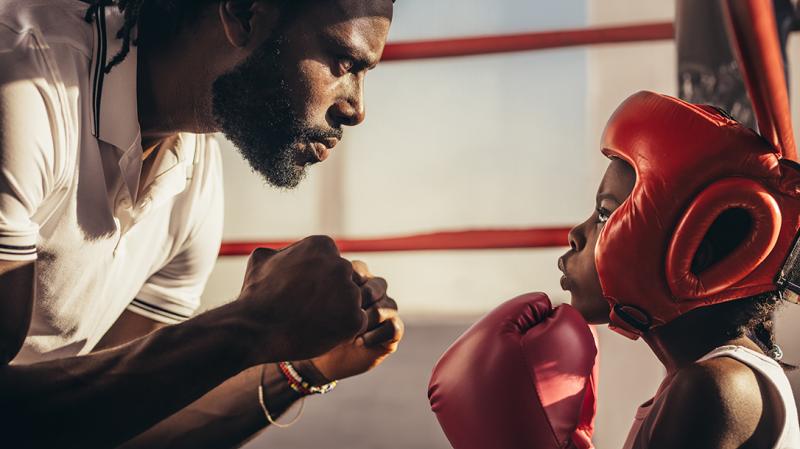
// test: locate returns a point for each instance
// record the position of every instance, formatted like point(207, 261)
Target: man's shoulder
point(56, 22)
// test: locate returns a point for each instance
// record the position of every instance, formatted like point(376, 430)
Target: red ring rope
point(437, 241)
point(471, 46)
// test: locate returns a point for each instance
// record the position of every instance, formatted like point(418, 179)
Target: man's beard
point(252, 106)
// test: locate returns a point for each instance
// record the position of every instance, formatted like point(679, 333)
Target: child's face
point(580, 274)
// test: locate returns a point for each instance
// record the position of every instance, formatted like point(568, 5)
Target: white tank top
point(641, 431)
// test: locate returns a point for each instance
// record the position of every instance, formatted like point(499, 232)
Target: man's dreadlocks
point(171, 14)
point(155, 20)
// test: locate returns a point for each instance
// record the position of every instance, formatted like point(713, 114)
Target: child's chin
point(593, 310)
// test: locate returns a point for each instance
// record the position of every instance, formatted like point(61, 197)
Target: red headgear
point(692, 164)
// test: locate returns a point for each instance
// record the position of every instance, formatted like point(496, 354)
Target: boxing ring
point(480, 239)
point(484, 239)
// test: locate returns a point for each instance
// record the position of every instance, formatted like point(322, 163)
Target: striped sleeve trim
point(18, 250)
point(13, 252)
point(169, 315)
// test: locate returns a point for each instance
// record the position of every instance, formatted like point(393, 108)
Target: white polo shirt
point(70, 168)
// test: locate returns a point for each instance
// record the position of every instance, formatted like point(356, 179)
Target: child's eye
point(603, 214)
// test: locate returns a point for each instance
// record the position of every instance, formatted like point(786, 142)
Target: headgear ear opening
point(727, 232)
point(687, 276)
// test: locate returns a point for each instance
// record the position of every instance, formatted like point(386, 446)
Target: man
point(111, 216)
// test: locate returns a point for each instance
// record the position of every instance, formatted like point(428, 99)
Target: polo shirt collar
point(114, 96)
point(116, 115)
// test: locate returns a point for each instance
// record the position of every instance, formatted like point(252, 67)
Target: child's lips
point(562, 266)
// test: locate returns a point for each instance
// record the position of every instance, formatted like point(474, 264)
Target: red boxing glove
point(523, 377)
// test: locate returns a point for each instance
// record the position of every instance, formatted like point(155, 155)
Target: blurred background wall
point(489, 141)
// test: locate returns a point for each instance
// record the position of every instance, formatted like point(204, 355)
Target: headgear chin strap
point(693, 164)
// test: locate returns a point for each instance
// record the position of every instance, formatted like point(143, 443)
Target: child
point(691, 248)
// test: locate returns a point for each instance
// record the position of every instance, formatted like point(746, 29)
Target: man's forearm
point(226, 417)
point(105, 398)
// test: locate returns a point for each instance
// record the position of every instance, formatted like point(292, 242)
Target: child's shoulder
point(723, 381)
point(718, 402)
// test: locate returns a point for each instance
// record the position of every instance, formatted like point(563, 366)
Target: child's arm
point(716, 404)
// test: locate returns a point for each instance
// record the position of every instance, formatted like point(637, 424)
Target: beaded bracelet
point(298, 384)
point(264, 408)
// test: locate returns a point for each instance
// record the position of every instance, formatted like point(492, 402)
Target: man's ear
point(236, 17)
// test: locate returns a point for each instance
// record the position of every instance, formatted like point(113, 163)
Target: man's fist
point(302, 301)
point(383, 333)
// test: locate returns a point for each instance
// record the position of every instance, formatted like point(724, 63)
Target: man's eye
point(344, 66)
point(603, 214)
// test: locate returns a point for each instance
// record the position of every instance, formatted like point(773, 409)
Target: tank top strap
point(742, 354)
point(772, 371)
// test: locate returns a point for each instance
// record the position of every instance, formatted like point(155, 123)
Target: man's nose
point(349, 110)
